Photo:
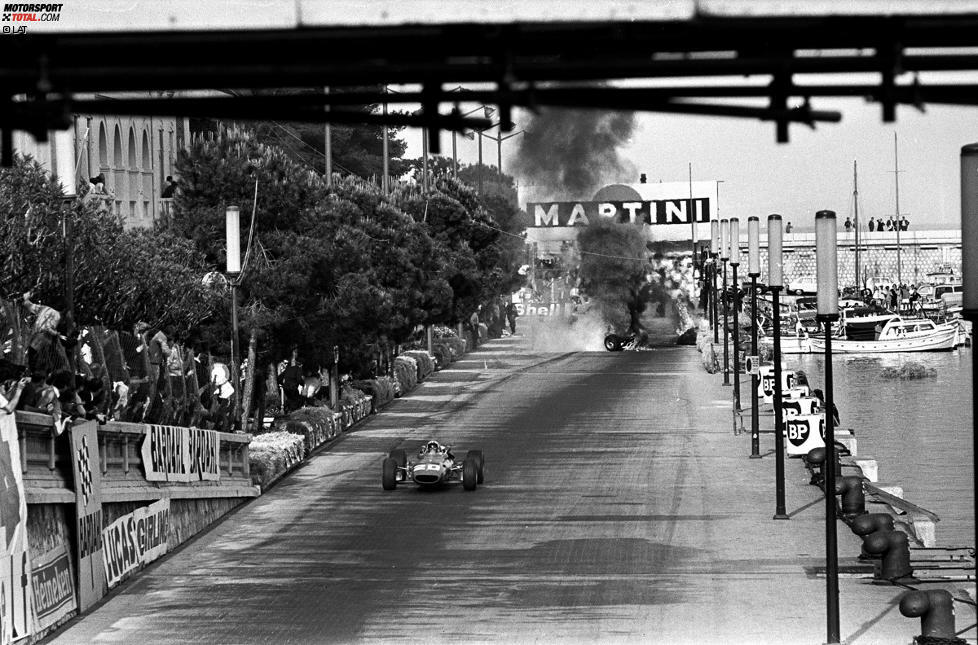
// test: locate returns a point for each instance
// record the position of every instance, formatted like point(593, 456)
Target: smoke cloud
point(570, 154)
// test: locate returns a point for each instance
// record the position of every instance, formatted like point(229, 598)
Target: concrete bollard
point(935, 607)
point(853, 497)
point(894, 547)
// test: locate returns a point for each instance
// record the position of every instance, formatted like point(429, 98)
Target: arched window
point(147, 157)
point(103, 147)
point(118, 161)
point(132, 150)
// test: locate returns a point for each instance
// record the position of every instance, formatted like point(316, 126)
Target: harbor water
point(919, 430)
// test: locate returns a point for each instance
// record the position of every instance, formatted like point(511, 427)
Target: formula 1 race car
point(435, 464)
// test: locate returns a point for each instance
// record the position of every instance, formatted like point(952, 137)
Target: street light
point(488, 112)
point(969, 271)
point(232, 222)
point(725, 257)
point(754, 271)
point(714, 254)
point(734, 263)
point(775, 283)
point(827, 311)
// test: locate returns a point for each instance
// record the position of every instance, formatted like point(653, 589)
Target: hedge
point(406, 373)
point(383, 390)
point(426, 362)
point(273, 454)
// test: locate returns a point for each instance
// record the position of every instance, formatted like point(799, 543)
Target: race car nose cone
point(427, 473)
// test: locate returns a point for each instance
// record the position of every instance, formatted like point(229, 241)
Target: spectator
point(890, 224)
point(872, 224)
point(157, 352)
point(511, 315)
point(904, 223)
point(60, 401)
point(170, 188)
point(787, 227)
point(914, 297)
point(894, 299)
point(848, 224)
point(291, 381)
point(32, 391)
point(13, 385)
point(44, 335)
point(835, 409)
point(97, 184)
point(474, 326)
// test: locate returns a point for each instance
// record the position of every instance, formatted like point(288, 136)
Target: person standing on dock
point(848, 224)
point(872, 224)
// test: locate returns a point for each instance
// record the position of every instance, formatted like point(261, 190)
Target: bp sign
point(804, 433)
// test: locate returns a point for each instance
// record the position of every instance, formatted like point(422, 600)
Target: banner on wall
point(53, 587)
point(135, 540)
point(88, 505)
point(175, 454)
point(16, 615)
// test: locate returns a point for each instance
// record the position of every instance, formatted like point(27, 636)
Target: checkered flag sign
point(84, 469)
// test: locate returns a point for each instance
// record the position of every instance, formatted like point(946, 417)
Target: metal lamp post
point(725, 257)
point(714, 254)
point(827, 312)
point(775, 283)
point(754, 271)
point(969, 269)
point(734, 239)
point(232, 222)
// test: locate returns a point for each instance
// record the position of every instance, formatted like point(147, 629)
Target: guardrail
point(46, 465)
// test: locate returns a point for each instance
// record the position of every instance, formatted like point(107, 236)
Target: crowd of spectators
point(144, 376)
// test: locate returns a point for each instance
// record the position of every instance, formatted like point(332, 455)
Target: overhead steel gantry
point(530, 64)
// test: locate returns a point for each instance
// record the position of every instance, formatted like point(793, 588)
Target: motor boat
point(898, 334)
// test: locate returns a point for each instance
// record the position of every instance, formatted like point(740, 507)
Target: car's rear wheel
point(399, 456)
point(612, 343)
point(389, 476)
point(480, 461)
point(470, 474)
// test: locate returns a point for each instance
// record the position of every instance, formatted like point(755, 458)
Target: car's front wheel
point(399, 456)
point(480, 461)
point(389, 476)
point(470, 474)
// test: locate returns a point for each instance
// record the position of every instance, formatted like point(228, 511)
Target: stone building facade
point(134, 154)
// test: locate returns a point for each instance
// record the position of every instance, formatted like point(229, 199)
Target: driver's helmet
point(432, 447)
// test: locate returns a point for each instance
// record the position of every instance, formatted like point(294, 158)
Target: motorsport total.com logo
point(31, 12)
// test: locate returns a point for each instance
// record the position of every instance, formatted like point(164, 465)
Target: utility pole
point(328, 148)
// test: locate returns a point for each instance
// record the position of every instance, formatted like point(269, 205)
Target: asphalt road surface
point(592, 524)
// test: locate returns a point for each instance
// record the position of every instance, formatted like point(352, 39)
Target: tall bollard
point(827, 312)
point(935, 608)
point(754, 271)
point(775, 282)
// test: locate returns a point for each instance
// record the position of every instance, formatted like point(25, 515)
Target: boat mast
point(896, 180)
point(855, 201)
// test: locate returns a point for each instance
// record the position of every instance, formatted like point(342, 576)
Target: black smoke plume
point(570, 154)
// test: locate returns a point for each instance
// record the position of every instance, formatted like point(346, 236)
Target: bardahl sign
point(657, 211)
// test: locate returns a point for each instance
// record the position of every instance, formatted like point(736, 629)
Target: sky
point(814, 171)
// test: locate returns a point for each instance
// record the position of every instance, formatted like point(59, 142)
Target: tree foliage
point(119, 276)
